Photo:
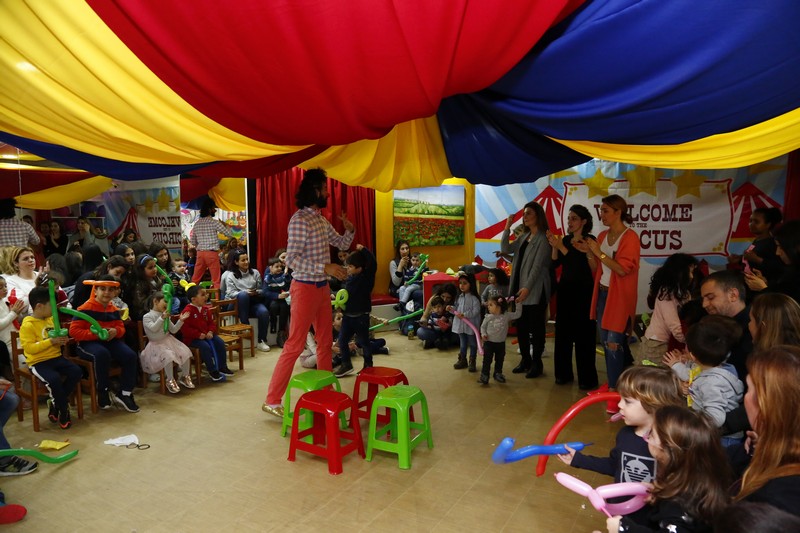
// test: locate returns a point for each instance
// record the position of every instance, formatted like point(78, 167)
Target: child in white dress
point(163, 349)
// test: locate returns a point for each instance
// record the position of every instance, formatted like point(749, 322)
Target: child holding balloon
point(163, 349)
point(361, 268)
point(494, 330)
point(44, 358)
point(643, 390)
point(466, 313)
point(691, 487)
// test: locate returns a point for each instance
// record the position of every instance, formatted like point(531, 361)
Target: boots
point(461, 363)
point(472, 362)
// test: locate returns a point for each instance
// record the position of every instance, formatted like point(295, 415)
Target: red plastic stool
point(375, 376)
point(326, 405)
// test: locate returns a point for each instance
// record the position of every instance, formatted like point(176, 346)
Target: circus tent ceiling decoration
point(395, 95)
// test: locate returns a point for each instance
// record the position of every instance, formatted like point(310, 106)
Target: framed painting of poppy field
point(430, 216)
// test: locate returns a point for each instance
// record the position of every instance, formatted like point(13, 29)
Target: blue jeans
point(8, 404)
point(467, 340)
point(615, 359)
point(248, 307)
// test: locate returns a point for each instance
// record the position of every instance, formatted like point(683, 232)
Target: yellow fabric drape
point(409, 156)
point(62, 195)
point(761, 142)
point(109, 104)
point(229, 194)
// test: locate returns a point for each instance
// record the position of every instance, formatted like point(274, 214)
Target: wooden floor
point(218, 463)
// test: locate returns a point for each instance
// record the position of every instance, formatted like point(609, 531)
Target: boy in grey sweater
point(714, 387)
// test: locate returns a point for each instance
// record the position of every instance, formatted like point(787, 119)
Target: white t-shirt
point(609, 250)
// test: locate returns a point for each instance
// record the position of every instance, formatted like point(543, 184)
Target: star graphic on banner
point(688, 183)
point(598, 184)
point(641, 180)
point(760, 168)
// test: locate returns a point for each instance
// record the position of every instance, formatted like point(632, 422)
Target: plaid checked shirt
point(204, 234)
point(307, 251)
point(14, 232)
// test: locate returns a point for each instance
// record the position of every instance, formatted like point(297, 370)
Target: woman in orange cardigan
point(614, 259)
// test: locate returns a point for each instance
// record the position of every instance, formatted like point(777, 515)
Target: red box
point(432, 280)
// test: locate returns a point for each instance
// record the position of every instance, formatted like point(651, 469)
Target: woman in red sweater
point(614, 259)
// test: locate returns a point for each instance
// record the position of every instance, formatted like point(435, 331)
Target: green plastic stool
point(399, 401)
point(306, 382)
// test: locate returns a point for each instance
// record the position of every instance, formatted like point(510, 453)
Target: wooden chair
point(245, 331)
point(37, 387)
point(233, 343)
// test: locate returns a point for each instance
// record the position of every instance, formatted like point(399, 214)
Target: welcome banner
point(668, 217)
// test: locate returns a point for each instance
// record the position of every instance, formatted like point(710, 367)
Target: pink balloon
point(597, 497)
point(477, 334)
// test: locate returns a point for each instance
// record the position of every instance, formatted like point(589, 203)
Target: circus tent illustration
point(549, 199)
point(745, 200)
point(131, 221)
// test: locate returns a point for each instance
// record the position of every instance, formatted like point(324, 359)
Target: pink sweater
point(665, 322)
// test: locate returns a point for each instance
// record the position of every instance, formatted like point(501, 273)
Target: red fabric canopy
point(327, 72)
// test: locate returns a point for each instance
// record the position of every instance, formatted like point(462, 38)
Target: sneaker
point(226, 371)
point(500, 378)
point(16, 466)
point(126, 402)
point(262, 346)
point(154, 378)
point(172, 386)
point(52, 414)
point(345, 369)
point(64, 420)
point(484, 379)
point(274, 410)
point(186, 381)
point(104, 400)
point(216, 376)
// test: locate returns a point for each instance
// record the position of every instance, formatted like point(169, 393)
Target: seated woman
point(398, 266)
point(243, 283)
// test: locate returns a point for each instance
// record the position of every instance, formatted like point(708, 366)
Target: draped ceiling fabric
point(392, 95)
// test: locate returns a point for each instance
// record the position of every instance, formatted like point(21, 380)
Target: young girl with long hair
point(670, 288)
point(496, 285)
point(692, 479)
point(774, 319)
point(772, 403)
point(466, 307)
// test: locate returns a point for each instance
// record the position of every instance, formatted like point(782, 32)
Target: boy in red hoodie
point(199, 331)
point(90, 347)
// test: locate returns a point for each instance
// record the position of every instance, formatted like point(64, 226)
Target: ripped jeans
point(615, 358)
